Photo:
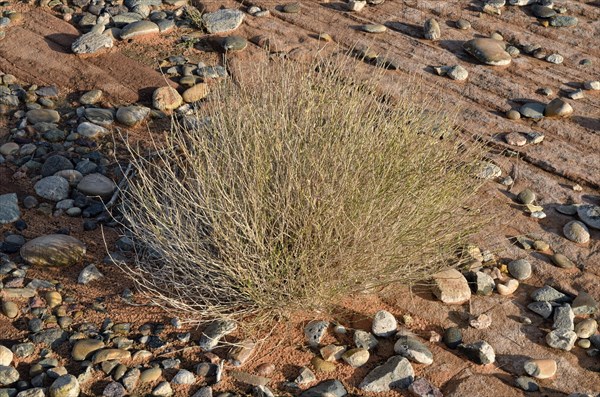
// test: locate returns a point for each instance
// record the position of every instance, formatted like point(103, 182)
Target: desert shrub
point(302, 184)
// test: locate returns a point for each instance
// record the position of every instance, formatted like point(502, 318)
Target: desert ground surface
point(557, 158)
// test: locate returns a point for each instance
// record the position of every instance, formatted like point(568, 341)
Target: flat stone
point(395, 373)
point(85, 347)
point(91, 42)
point(91, 130)
point(373, 28)
point(53, 250)
point(53, 188)
point(213, 333)
point(488, 51)
point(250, 379)
point(549, 294)
point(139, 28)
point(451, 287)
point(321, 365)
point(114, 389)
point(103, 117)
point(577, 232)
point(151, 374)
point(132, 115)
point(9, 208)
point(35, 116)
point(590, 215)
point(221, 21)
point(532, 110)
point(329, 388)
point(544, 309)
point(96, 185)
point(110, 354)
point(64, 386)
point(457, 72)
point(384, 324)
point(414, 350)
point(131, 379)
point(541, 11)
point(562, 339)
point(52, 337)
point(558, 107)
point(562, 261)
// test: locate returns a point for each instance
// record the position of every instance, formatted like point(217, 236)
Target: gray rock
point(457, 72)
point(414, 350)
point(584, 304)
point(595, 339)
point(91, 97)
point(91, 42)
point(35, 116)
point(9, 208)
point(549, 294)
point(91, 130)
point(544, 309)
point(527, 384)
point(541, 11)
point(577, 232)
point(562, 339)
point(131, 379)
point(395, 373)
point(53, 188)
point(452, 337)
point(51, 337)
point(103, 117)
point(364, 339)
point(590, 215)
point(96, 185)
point(221, 21)
point(481, 283)
point(64, 386)
point(183, 377)
point(329, 388)
point(205, 391)
point(314, 332)
point(479, 352)
point(532, 110)
point(564, 318)
point(114, 389)
point(23, 350)
point(163, 389)
point(563, 21)
point(305, 376)
point(138, 28)
point(520, 269)
point(132, 115)
point(88, 274)
point(8, 375)
point(562, 261)
point(214, 332)
point(54, 164)
point(384, 324)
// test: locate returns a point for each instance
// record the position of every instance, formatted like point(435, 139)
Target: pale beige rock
point(451, 287)
point(541, 369)
point(508, 288)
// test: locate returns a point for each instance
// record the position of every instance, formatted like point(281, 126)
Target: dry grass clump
point(303, 186)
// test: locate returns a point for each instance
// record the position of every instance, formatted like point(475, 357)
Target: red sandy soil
point(37, 51)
